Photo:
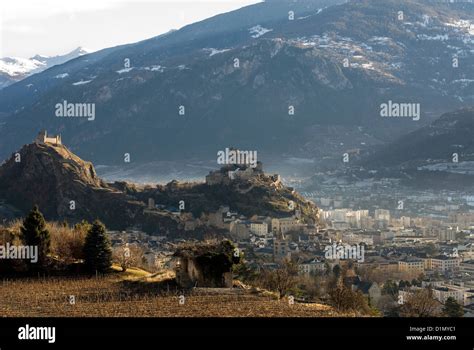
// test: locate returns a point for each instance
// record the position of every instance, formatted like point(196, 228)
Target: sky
point(52, 27)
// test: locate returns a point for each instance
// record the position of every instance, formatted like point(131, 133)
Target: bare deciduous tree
point(420, 304)
point(344, 299)
point(281, 279)
point(127, 256)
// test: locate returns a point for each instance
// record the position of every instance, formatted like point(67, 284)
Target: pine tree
point(34, 233)
point(390, 288)
point(97, 250)
point(452, 308)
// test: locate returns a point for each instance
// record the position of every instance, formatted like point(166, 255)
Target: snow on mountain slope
point(13, 69)
point(15, 66)
point(257, 31)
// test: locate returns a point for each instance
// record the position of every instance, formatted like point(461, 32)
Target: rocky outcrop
point(67, 188)
point(255, 194)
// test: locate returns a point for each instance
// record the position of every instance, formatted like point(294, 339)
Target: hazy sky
point(51, 27)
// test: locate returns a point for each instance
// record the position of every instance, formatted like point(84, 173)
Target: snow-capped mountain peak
point(13, 69)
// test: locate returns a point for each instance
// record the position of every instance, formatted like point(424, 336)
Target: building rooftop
point(411, 259)
point(443, 257)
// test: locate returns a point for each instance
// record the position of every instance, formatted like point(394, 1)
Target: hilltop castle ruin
point(43, 138)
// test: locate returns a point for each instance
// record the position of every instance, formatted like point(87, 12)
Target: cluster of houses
point(462, 292)
point(433, 269)
point(392, 246)
point(400, 229)
point(390, 260)
point(156, 250)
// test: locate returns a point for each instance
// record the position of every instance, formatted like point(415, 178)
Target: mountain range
point(14, 69)
point(448, 139)
point(277, 77)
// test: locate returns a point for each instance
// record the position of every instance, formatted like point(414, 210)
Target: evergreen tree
point(34, 233)
point(452, 308)
point(97, 250)
point(390, 288)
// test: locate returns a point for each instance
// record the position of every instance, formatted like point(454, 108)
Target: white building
point(442, 263)
point(467, 267)
point(405, 221)
point(311, 267)
point(285, 225)
point(449, 234)
point(411, 265)
point(382, 215)
point(443, 293)
point(259, 228)
point(440, 293)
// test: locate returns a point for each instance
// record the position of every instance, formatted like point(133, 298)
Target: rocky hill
point(67, 188)
point(259, 194)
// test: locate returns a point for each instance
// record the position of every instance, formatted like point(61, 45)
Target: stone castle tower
point(43, 138)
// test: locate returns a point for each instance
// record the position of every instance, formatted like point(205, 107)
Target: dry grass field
point(135, 295)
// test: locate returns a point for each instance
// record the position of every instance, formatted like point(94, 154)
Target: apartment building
point(411, 265)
